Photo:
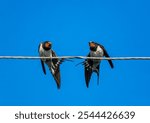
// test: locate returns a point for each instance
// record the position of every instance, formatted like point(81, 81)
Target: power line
point(73, 57)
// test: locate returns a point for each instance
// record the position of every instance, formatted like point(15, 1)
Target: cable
point(74, 57)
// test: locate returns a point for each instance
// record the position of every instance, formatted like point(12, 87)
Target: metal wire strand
point(74, 57)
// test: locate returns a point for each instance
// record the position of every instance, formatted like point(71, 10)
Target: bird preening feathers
point(93, 65)
point(90, 65)
point(53, 64)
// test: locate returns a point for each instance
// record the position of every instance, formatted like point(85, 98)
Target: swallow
point(45, 50)
point(93, 65)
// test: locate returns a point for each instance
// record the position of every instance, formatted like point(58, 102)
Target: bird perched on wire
point(93, 65)
point(53, 64)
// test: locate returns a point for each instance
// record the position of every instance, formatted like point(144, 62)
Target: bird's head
point(93, 46)
point(47, 45)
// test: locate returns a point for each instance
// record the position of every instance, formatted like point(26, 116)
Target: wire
point(74, 57)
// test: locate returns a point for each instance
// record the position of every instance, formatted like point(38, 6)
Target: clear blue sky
point(122, 26)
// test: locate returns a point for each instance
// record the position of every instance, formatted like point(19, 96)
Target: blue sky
point(122, 26)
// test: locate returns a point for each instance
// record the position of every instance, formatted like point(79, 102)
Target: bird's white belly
point(95, 54)
point(98, 53)
point(48, 53)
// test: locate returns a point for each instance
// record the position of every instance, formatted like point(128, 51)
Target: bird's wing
point(107, 55)
point(55, 69)
point(42, 63)
point(88, 70)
